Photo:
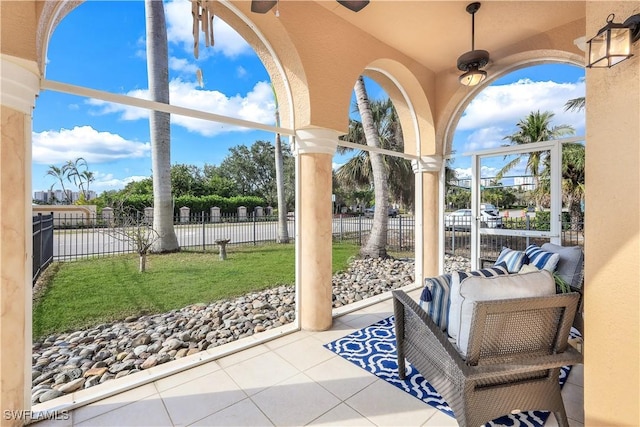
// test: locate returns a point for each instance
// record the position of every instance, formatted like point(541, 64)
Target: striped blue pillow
point(514, 260)
point(435, 299)
point(543, 260)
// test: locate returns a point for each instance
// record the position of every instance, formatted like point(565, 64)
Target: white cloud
point(484, 139)
point(106, 181)
point(504, 105)
point(179, 31)
point(53, 146)
point(182, 65)
point(486, 171)
point(141, 48)
point(257, 106)
point(241, 72)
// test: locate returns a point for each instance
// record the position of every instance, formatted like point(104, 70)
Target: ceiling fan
point(263, 6)
point(471, 62)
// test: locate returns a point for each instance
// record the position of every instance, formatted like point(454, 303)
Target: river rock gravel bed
point(64, 363)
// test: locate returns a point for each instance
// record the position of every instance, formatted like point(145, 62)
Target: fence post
point(53, 231)
point(41, 241)
point(40, 244)
point(185, 214)
point(400, 232)
point(528, 225)
point(341, 228)
point(255, 231)
point(453, 238)
point(360, 230)
point(204, 234)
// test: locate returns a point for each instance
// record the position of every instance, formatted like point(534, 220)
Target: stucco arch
point(276, 40)
point(50, 14)
point(287, 76)
point(411, 103)
point(277, 53)
point(462, 97)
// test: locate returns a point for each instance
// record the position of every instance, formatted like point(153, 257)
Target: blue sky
point(115, 139)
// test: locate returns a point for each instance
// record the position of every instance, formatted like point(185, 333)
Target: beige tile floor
point(290, 381)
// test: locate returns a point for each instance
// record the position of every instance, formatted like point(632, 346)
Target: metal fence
point(458, 241)
point(356, 229)
point(83, 237)
point(78, 236)
point(73, 237)
point(42, 243)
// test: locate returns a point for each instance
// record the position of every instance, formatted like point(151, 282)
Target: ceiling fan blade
point(262, 6)
point(354, 5)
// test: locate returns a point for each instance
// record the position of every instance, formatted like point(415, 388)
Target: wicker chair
point(516, 349)
point(570, 269)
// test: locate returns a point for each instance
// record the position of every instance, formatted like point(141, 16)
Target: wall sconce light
point(612, 44)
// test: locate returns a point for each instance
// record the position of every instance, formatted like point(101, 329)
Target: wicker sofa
point(507, 369)
point(510, 356)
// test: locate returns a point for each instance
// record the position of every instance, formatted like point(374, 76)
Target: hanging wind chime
point(202, 14)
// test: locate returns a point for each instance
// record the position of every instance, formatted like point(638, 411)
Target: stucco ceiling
point(435, 33)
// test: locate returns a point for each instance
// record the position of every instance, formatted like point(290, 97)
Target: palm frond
point(575, 104)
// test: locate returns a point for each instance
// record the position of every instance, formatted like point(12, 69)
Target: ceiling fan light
point(354, 5)
point(262, 6)
point(473, 77)
point(471, 62)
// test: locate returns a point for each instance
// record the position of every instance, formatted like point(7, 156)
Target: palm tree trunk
point(575, 213)
point(283, 230)
point(159, 125)
point(375, 247)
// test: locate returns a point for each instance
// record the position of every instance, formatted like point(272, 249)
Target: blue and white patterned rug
point(374, 349)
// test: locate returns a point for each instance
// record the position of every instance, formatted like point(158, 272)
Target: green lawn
point(84, 293)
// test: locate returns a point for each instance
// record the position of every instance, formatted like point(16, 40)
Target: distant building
point(524, 182)
point(466, 182)
point(57, 197)
point(41, 196)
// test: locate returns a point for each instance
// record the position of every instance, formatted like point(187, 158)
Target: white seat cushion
point(473, 289)
point(458, 277)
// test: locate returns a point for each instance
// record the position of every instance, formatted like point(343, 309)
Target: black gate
point(42, 243)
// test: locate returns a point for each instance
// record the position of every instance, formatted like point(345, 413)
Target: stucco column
point(612, 232)
point(315, 148)
point(19, 85)
point(427, 172)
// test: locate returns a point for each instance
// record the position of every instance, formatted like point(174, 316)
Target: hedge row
point(227, 205)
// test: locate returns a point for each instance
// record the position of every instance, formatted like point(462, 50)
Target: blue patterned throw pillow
point(543, 260)
point(435, 299)
point(514, 260)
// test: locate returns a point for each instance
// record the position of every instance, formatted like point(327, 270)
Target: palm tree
point(573, 179)
point(356, 173)
point(78, 177)
point(283, 230)
point(88, 178)
point(159, 124)
point(61, 174)
point(536, 127)
point(375, 247)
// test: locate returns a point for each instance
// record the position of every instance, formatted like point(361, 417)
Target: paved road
point(69, 244)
